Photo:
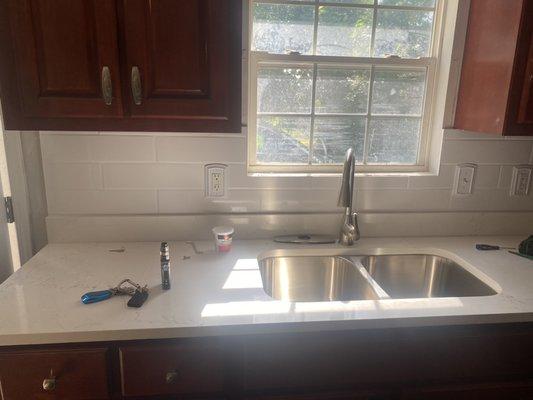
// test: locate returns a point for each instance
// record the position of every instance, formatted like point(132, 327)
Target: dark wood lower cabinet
point(462, 362)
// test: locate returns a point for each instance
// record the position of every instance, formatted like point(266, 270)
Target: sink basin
point(367, 277)
point(413, 276)
point(316, 279)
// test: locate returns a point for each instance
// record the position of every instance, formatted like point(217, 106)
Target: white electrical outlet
point(464, 179)
point(215, 180)
point(521, 180)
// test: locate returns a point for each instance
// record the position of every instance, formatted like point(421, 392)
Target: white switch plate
point(215, 180)
point(521, 180)
point(464, 179)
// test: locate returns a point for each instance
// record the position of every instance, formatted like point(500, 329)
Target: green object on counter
point(526, 247)
point(521, 255)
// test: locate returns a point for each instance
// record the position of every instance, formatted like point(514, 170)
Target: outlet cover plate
point(464, 179)
point(215, 180)
point(521, 180)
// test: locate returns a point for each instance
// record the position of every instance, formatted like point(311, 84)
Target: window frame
point(430, 63)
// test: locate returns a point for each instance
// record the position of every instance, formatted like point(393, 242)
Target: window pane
point(414, 3)
point(393, 140)
point(342, 90)
point(284, 89)
point(398, 92)
point(344, 31)
point(283, 140)
point(279, 28)
point(403, 33)
point(334, 135)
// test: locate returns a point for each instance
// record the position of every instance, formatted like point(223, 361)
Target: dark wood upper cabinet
point(495, 93)
point(132, 65)
point(64, 52)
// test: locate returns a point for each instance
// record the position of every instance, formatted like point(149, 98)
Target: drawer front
point(173, 369)
point(69, 374)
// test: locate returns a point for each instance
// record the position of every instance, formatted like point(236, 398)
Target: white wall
point(155, 174)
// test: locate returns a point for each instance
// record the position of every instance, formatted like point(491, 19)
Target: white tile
point(93, 147)
point(194, 202)
point(121, 148)
point(64, 148)
point(102, 202)
point(506, 176)
point(201, 149)
point(299, 200)
point(402, 200)
point(72, 176)
point(442, 181)
point(486, 152)
point(487, 176)
point(153, 176)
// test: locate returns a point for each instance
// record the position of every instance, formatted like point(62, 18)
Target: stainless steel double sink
point(368, 277)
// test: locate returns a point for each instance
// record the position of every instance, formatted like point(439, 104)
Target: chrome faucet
point(349, 232)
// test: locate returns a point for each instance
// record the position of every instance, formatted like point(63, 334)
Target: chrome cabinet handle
point(171, 376)
point(49, 384)
point(136, 86)
point(107, 86)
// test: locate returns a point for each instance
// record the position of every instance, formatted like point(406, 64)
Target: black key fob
point(138, 298)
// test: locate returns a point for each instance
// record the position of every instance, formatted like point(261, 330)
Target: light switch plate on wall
point(521, 180)
point(464, 179)
point(215, 180)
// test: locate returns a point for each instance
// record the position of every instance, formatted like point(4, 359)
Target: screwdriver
point(492, 247)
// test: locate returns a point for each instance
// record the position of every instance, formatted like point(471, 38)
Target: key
point(138, 298)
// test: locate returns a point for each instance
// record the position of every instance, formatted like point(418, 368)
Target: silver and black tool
point(486, 247)
point(165, 265)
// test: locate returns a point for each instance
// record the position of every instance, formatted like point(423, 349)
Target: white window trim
point(431, 132)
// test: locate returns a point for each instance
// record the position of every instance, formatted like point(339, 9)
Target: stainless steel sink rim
point(301, 278)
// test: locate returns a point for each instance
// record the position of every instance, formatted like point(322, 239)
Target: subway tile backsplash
point(102, 174)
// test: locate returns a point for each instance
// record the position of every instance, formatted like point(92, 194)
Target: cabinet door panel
point(61, 49)
point(188, 58)
point(77, 373)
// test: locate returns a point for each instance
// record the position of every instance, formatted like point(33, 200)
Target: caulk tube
point(165, 266)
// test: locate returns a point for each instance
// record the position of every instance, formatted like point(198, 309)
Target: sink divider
point(356, 261)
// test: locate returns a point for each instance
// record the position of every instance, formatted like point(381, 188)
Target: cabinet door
point(66, 58)
point(492, 391)
point(179, 369)
point(183, 62)
point(520, 121)
point(54, 374)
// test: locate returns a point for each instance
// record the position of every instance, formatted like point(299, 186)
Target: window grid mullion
point(315, 28)
point(366, 143)
point(374, 23)
point(312, 131)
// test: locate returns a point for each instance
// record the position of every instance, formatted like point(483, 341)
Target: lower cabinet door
point(176, 369)
point(490, 391)
point(79, 374)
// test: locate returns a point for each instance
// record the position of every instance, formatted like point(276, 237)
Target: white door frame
point(19, 193)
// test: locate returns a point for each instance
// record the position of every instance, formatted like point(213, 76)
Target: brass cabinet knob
point(171, 376)
point(49, 384)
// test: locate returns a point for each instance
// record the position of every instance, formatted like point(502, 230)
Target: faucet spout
point(349, 232)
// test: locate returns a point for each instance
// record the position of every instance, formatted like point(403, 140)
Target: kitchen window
point(328, 75)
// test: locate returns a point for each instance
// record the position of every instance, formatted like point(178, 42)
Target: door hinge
point(10, 215)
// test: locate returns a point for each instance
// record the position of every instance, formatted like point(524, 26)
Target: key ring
point(120, 289)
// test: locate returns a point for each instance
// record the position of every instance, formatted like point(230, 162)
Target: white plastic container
point(223, 238)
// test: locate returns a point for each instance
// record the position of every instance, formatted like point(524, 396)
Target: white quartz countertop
point(221, 294)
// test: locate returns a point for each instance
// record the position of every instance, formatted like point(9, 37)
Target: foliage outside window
point(328, 75)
